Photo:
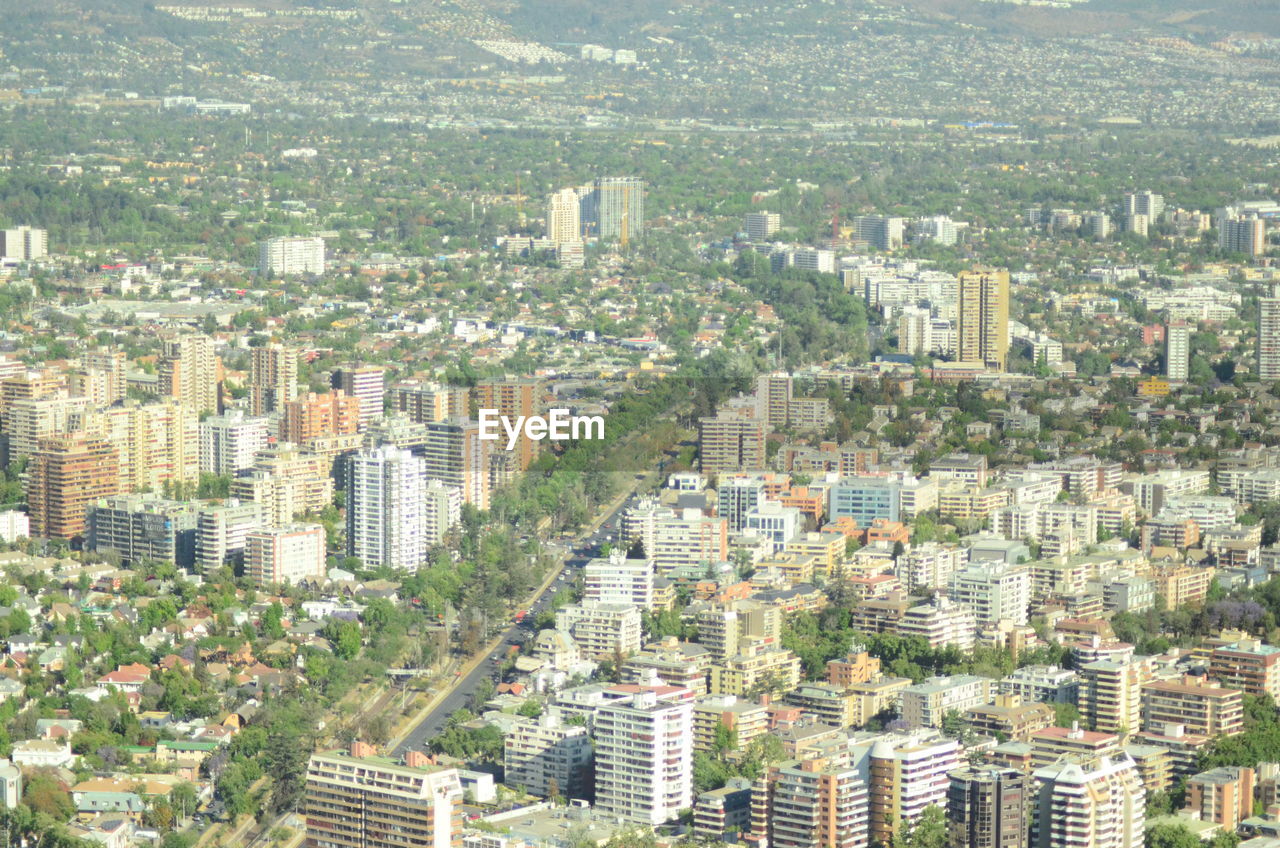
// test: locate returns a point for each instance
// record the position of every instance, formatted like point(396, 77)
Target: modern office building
point(644, 755)
point(360, 800)
point(879, 231)
point(23, 243)
point(989, 807)
point(273, 378)
point(1242, 234)
point(983, 317)
point(291, 255)
point(616, 209)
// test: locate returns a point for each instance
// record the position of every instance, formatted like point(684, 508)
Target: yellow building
point(759, 667)
point(983, 317)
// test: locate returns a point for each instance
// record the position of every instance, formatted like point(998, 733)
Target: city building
point(190, 371)
point(618, 580)
point(1204, 707)
point(995, 592)
point(760, 226)
point(905, 774)
point(64, 476)
point(24, 243)
point(548, 757)
point(927, 703)
point(386, 508)
point(230, 442)
point(1248, 665)
point(314, 415)
point(879, 231)
point(1111, 693)
point(143, 527)
point(273, 378)
point(983, 317)
point(602, 631)
point(616, 209)
point(286, 482)
point(644, 755)
point(1242, 234)
point(359, 800)
point(512, 399)
point(457, 456)
point(731, 442)
point(1177, 351)
point(989, 807)
point(222, 531)
point(564, 217)
point(940, 623)
point(1053, 743)
point(1269, 339)
point(812, 803)
point(713, 714)
point(1091, 804)
point(367, 384)
point(288, 554)
point(287, 255)
point(1223, 795)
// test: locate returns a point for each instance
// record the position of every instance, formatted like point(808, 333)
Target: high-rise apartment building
point(457, 456)
point(511, 398)
point(1242, 234)
point(905, 774)
point(995, 592)
point(1177, 351)
point(548, 757)
point(190, 371)
point(359, 800)
point(287, 554)
point(989, 807)
point(644, 755)
point(229, 443)
point(286, 482)
point(23, 243)
point(291, 255)
point(1269, 339)
point(442, 510)
point(1098, 803)
point(1143, 203)
point(142, 527)
point(618, 207)
point(761, 225)
point(367, 384)
point(879, 231)
point(1111, 693)
point(814, 803)
point(618, 580)
point(1249, 665)
point(386, 508)
point(313, 415)
point(65, 475)
point(222, 532)
point(1223, 795)
point(101, 377)
point(1202, 706)
point(731, 441)
point(30, 420)
point(564, 216)
point(425, 402)
point(158, 443)
point(273, 378)
point(983, 317)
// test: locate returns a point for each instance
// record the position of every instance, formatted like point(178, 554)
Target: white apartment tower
point(229, 443)
point(564, 216)
point(386, 512)
point(1177, 351)
point(291, 255)
point(23, 243)
point(1089, 804)
point(761, 225)
point(285, 554)
point(644, 756)
point(1269, 339)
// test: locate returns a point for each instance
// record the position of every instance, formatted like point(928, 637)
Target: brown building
point(66, 474)
point(1249, 665)
point(1202, 706)
point(855, 668)
point(1051, 743)
point(1223, 795)
point(988, 807)
point(313, 415)
point(1009, 717)
point(190, 371)
point(810, 804)
point(273, 378)
point(512, 399)
point(732, 442)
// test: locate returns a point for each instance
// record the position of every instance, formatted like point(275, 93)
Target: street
point(586, 548)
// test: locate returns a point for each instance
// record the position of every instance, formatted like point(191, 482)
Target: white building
point(23, 243)
point(222, 532)
point(1177, 351)
point(1095, 804)
point(386, 509)
point(442, 510)
point(229, 443)
point(926, 703)
point(285, 554)
point(775, 522)
point(618, 580)
point(564, 216)
point(291, 255)
point(14, 525)
point(994, 591)
point(546, 756)
point(762, 225)
point(1269, 339)
point(602, 631)
point(644, 756)
point(10, 784)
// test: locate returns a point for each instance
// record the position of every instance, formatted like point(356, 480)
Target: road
point(587, 546)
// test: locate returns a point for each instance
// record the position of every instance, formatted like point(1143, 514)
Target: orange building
point(314, 415)
point(1223, 795)
point(66, 474)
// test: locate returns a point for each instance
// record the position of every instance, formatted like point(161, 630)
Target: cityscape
point(562, 424)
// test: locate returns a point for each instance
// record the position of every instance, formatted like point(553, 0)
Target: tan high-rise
point(983, 313)
point(273, 378)
point(191, 372)
point(512, 399)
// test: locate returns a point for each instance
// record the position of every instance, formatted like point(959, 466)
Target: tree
point(1169, 835)
point(928, 831)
